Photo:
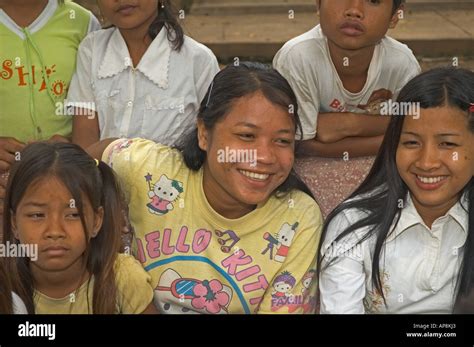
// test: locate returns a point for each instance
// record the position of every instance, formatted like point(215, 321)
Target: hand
point(9, 146)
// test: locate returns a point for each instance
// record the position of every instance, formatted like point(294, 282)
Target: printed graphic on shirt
point(373, 301)
point(230, 236)
point(162, 194)
point(237, 270)
point(198, 262)
point(282, 295)
point(373, 106)
point(116, 149)
point(36, 77)
point(282, 241)
point(307, 280)
point(283, 285)
point(194, 295)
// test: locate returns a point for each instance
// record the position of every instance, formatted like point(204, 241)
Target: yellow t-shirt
point(134, 292)
point(202, 262)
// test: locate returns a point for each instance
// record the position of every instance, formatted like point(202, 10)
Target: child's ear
point(13, 223)
point(98, 220)
point(396, 16)
point(203, 135)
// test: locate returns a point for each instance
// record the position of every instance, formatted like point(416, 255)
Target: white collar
point(37, 24)
point(154, 63)
point(410, 216)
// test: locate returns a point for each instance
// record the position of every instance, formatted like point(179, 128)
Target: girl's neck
point(23, 12)
point(59, 284)
point(138, 40)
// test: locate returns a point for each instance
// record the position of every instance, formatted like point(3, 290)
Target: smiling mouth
point(255, 176)
point(431, 180)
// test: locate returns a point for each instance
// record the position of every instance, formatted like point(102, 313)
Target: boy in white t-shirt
point(342, 71)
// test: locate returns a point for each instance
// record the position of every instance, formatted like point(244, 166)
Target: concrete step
point(234, 7)
point(448, 33)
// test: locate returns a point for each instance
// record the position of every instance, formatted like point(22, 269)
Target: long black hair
point(396, 5)
point(230, 84)
point(167, 18)
point(85, 179)
point(380, 194)
point(6, 302)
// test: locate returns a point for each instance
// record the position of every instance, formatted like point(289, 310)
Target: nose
point(265, 152)
point(429, 158)
point(55, 227)
point(354, 10)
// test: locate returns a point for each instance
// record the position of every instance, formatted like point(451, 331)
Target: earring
point(162, 4)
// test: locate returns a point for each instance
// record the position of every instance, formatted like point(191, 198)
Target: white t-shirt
point(419, 266)
point(158, 100)
point(306, 63)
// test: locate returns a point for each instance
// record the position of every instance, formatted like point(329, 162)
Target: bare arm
point(151, 309)
point(351, 146)
point(98, 148)
point(335, 126)
point(85, 129)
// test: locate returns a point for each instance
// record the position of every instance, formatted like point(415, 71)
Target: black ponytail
point(167, 18)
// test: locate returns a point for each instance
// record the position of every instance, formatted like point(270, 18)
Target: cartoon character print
point(175, 294)
point(374, 104)
point(117, 148)
point(283, 298)
point(232, 237)
point(162, 194)
point(307, 279)
point(283, 285)
point(282, 241)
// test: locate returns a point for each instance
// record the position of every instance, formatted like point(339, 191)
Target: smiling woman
point(412, 217)
point(204, 224)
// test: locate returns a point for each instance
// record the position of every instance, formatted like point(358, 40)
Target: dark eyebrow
point(35, 204)
point(447, 134)
point(437, 135)
point(253, 126)
point(286, 131)
point(246, 124)
point(39, 204)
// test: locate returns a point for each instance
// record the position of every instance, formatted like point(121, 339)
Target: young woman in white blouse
point(404, 241)
point(142, 77)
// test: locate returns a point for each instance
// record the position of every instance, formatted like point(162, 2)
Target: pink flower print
point(209, 295)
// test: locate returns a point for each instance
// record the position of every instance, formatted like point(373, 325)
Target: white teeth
point(431, 180)
point(255, 176)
